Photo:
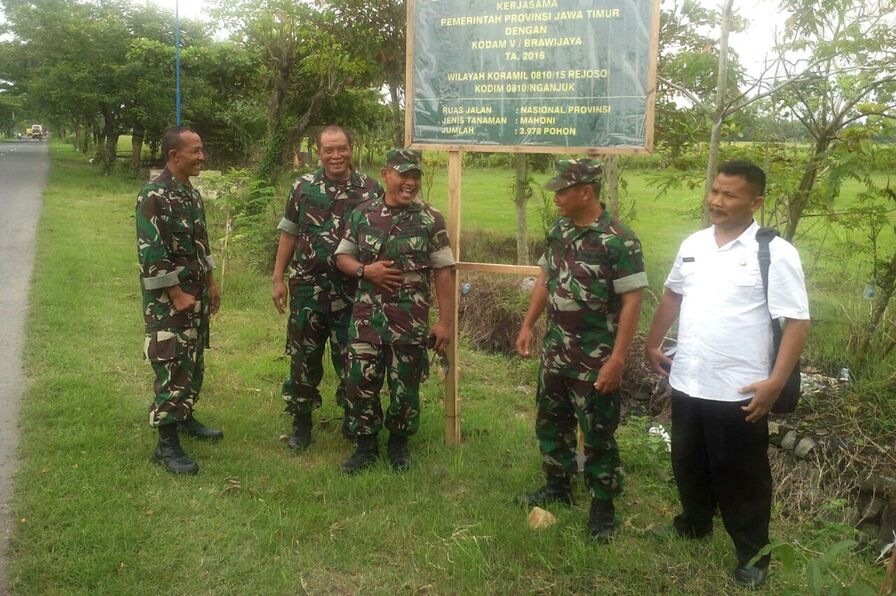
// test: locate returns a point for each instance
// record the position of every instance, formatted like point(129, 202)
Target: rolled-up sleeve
point(628, 270)
point(346, 247)
point(290, 227)
point(157, 270)
point(630, 283)
point(291, 211)
point(349, 243)
point(442, 258)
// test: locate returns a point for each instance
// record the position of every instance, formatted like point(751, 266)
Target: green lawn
point(94, 516)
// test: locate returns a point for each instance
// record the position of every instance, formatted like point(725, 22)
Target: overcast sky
point(751, 45)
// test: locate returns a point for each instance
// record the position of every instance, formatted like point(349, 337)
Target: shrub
point(491, 310)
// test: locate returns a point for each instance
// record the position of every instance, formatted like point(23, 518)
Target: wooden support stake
point(452, 401)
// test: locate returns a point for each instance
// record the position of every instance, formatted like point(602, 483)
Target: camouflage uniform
point(389, 331)
point(173, 249)
point(587, 268)
point(320, 296)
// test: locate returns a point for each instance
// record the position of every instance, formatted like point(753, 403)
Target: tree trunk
point(76, 136)
point(97, 136)
point(520, 198)
point(154, 144)
point(110, 153)
point(294, 135)
point(277, 100)
point(887, 289)
point(611, 178)
point(397, 123)
point(797, 204)
point(715, 137)
point(84, 140)
point(137, 149)
point(276, 149)
point(110, 141)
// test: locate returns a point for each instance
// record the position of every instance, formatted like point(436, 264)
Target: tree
point(304, 58)
point(686, 73)
point(96, 65)
point(380, 27)
point(852, 77)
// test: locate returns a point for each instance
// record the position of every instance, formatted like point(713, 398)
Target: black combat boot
point(300, 439)
point(347, 431)
point(602, 520)
point(168, 452)
point(399, 452)
point(556, 490)
point(196, 429)
point(365, 455)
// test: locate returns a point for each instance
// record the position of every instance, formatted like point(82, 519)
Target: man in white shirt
point(723, 378)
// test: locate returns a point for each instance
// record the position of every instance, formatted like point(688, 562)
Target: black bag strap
point(764, 237)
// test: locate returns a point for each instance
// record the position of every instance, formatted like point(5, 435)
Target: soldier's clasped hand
point(383, 275)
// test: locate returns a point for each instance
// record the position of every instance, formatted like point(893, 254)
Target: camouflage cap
point(403, 160)
point(575, 171)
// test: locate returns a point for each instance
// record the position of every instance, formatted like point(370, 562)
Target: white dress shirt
point(724, 328)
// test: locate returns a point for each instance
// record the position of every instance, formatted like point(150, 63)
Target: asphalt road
point(23, 175)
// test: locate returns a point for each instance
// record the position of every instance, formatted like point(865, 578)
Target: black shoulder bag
point(790, 394)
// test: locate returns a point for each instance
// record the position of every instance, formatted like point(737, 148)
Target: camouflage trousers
point(560, 402)
point(405, 366)
point(306, 339)
point(177, 357)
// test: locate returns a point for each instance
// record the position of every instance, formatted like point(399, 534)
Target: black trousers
point(721, 460)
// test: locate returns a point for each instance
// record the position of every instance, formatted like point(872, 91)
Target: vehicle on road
point(37, 132)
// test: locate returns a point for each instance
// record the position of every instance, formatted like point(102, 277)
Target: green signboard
point(532, 75)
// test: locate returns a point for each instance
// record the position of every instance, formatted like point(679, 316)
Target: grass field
point(94, 516)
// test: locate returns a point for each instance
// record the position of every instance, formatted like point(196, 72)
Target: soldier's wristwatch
point(360, 272)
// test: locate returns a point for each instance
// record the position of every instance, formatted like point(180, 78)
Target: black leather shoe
point(365, 455)
point(196, 429)
point(749, 576)
point(556, 490)
point(602, 520)
point(300, 439)
point(399, 453)
point(169, 454)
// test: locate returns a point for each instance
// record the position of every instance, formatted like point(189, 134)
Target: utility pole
point(176, 59)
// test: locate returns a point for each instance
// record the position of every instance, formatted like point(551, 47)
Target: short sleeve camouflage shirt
point(172, 249)
point(587, 269)
point(416, 239)
point(316, 213)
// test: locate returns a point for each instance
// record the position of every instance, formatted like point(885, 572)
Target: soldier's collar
point(173, 182)
point(600, 224)
point(415, 205)
point(320, 176)
point(356, 179)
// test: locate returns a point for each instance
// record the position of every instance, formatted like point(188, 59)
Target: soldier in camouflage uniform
point(320, 296)
point(591, 280)
point(179, 295)
point(392, 245)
